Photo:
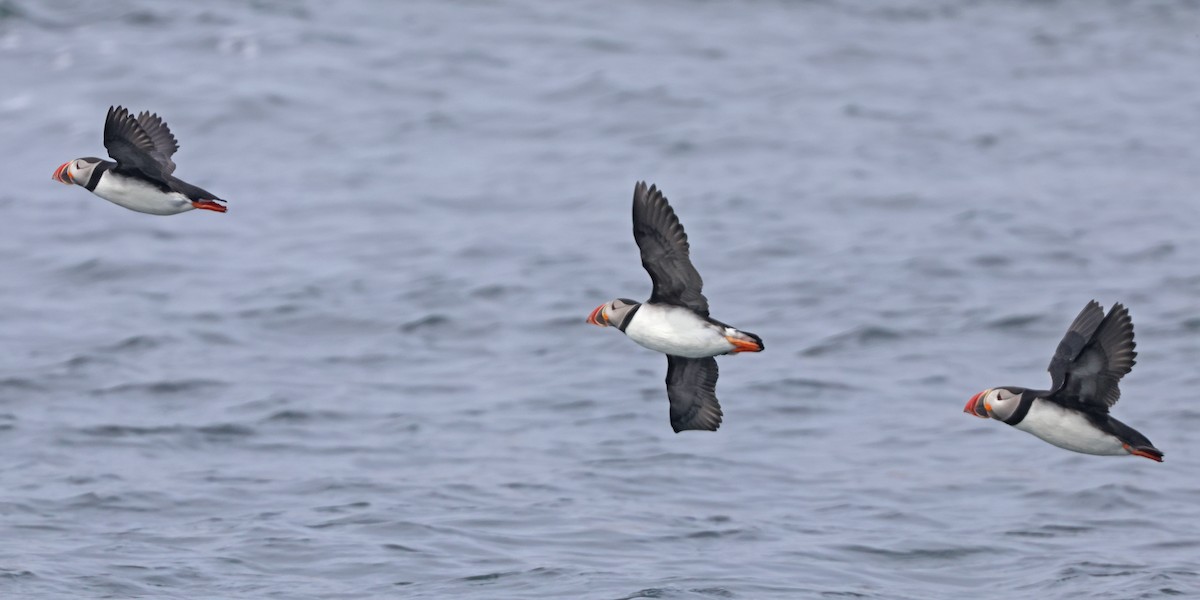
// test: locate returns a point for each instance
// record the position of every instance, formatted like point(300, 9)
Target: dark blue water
point(372, 377)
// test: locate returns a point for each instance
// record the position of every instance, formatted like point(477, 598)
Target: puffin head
point(614, 313)
point(78, 171)
point(998, 403)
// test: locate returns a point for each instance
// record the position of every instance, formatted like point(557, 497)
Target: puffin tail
point(214, 204)
point(743, 341)
point(1149, 452)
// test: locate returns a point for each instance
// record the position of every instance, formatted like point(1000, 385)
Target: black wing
point(160, 134)
point(131, 146)
point(1078, 335)
point(1100, 352)
point(664, 249)
point(692, 390)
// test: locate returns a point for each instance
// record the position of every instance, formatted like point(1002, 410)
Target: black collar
point(94, 180)
point(628, 319)
point(1027, 399)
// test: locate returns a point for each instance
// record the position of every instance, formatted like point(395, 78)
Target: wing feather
point(164, 141)
point(665, 251)
point(1091, 377)
point(692, 390)
point(1078, 334)
point(130, 145)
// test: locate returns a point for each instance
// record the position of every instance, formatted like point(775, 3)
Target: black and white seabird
point(1073, 414)
point(140, 179)
point(675, 319)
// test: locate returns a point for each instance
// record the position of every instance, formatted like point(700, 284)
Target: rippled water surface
point(372, 377)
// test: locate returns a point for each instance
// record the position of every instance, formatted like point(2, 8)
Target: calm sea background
point(372, 378)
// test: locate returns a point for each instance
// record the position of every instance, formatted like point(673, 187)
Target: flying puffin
point(140, 179)
point(1073, 414)
point(675, 319)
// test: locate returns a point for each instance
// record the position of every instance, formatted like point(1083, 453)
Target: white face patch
point(1001, 403)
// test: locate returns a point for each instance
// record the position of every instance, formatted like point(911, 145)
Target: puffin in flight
point(675, 319)
point(1073, 414)
point(140, 179)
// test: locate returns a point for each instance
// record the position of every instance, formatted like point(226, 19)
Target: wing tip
point(645, 193)
point(1088, 321)
point(653, 207)
point(697, 424)
point(1121, 312)
point(118, 116)
point(1119, 337)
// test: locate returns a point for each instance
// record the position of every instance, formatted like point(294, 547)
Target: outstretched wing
point(692, 390)
point(160, 134)
point(1091, 375)
point(131, 146)
point(664, 247)
point(1078, 335)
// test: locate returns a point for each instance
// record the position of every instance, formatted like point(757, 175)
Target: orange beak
point(63, 175)
point(597, 316)
point(209, 205)
point(976, 407)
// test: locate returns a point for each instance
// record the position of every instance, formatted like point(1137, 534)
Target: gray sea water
point(372, 378)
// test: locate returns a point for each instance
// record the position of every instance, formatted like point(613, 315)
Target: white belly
point(676, 331)
point(142, 197)
point(1068, 429)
